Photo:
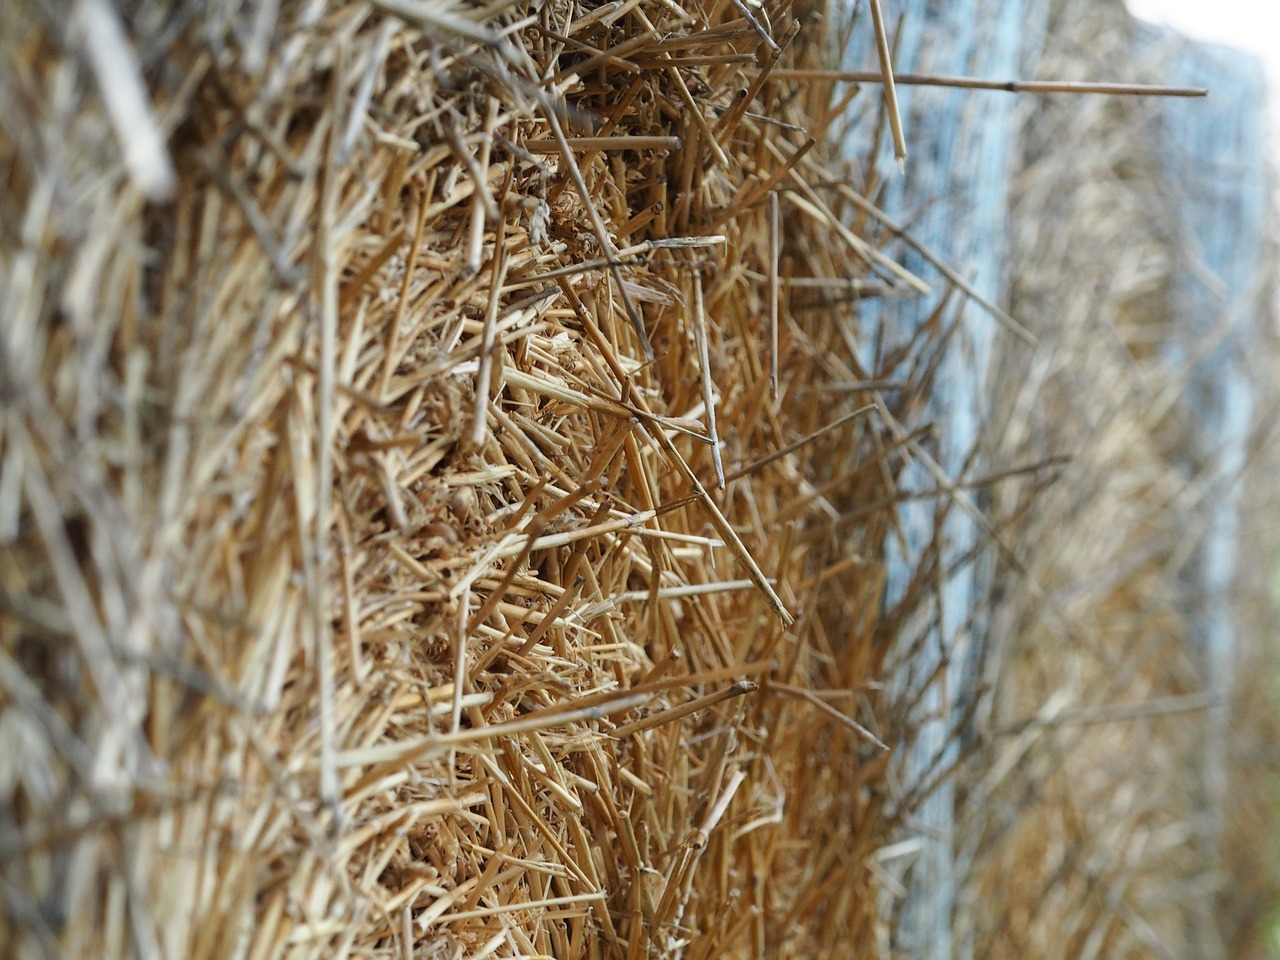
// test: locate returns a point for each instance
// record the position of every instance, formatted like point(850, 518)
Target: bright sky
point(1252, 25)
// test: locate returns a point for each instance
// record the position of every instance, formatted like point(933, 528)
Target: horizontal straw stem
point(1005, 86)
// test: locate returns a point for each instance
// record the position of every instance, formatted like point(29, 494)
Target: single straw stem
point(979, 83)
point(890, 91)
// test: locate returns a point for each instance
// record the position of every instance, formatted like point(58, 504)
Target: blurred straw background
point(1126, 779)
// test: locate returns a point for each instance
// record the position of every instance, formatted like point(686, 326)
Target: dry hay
point(1090, 799)
point(368, 589)
point(409, 476)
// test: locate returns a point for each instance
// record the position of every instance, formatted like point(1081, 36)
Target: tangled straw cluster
point(442, 488)
point(433, 467)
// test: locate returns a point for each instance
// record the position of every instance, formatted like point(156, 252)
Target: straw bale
point(1095, 793)
point(439, 492)
point(446, 482)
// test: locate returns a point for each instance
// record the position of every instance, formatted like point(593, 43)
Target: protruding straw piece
point(890, 91)
point(1005, 86)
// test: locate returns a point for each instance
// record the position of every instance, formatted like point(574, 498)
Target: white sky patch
point(1252, 25)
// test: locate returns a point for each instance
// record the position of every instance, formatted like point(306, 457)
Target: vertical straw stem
point(704, 362)
point(890, 88)
point(775, 254)
point(485, 378)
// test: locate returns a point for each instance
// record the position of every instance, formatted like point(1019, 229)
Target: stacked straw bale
point(446, 476)
point(439, 498)
point(1099, 792)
